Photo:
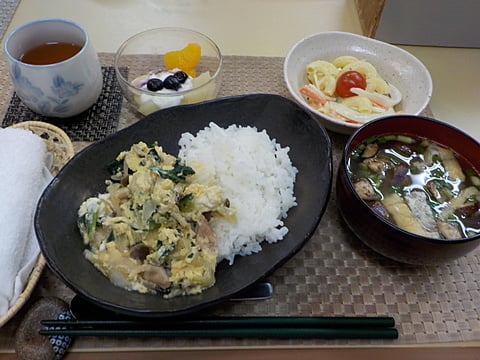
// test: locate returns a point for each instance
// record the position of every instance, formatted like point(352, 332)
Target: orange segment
point(185, 59)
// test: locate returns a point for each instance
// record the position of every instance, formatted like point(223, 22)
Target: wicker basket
point(60, 146)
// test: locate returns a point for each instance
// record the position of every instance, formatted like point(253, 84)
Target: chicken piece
point(126, 272)
point(365, 190)
point(206, 238)
point(155, 275)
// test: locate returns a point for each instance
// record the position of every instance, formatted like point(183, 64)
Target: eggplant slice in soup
point(419, 185)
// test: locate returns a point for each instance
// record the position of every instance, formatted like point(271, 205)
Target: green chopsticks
point(272, 333)
point(281, 327)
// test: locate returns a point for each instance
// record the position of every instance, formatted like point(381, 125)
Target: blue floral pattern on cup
point(58, 101)
point(25, 88)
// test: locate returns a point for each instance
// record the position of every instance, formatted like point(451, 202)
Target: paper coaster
point(93, 124)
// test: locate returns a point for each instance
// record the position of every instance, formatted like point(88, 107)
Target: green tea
point(50, 53)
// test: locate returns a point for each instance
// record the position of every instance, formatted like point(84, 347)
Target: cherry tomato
point(348, 80)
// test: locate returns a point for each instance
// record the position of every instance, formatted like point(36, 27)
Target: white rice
point(256, 175)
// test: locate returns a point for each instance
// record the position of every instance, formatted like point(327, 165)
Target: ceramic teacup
point(60, 89)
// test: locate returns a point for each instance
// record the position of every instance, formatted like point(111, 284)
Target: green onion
point(178, 174)
point(414, 169)
point(471, 198)
point(421, 149)
point(115, 167)
point(425, 143)
point(357, 152)
point(436, 158)
point(164, 251)
point(363, 166)
point(398, 190)
point(152, 224)
point(386, 138)
point(185, 204)
point(470, 172)
point(405, 139)
point(393, 159)
point(438, 173)
point(153, 153)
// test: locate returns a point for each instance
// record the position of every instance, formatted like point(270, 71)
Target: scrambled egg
point(150, 231)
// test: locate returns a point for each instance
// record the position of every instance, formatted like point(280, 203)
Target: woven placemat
point(100, 120)
point(333, 275)
point(7, 8)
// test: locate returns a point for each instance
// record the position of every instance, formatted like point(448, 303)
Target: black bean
point(172, 83)
point(154, 84)
point(181, 76)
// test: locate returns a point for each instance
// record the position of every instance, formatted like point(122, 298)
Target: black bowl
point(381, 235)
point(85, 174)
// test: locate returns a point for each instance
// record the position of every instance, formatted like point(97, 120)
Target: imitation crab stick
point(313, 94)
point(346, 119)
point(380, 100)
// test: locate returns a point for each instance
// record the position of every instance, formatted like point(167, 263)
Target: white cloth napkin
point(23, 177)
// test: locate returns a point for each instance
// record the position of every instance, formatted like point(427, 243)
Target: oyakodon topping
point(150, 231)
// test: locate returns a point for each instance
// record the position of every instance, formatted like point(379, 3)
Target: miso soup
point(419, 185)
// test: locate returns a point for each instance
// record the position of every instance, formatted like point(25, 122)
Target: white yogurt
point(147, 102)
